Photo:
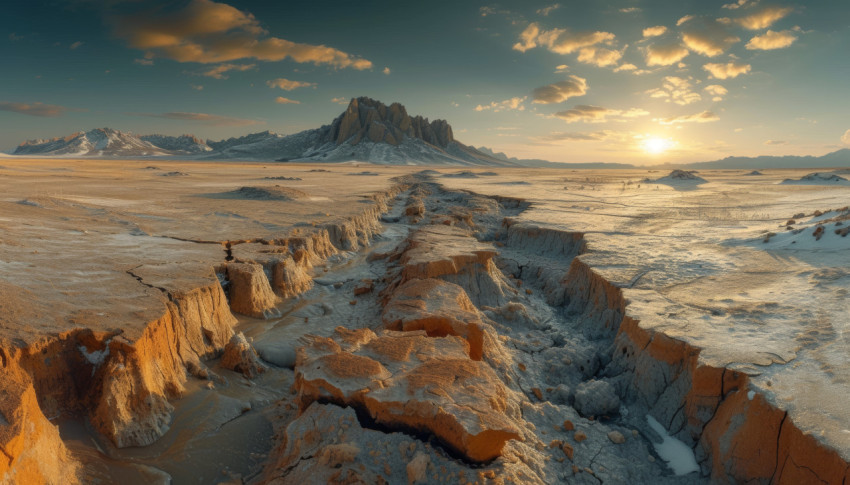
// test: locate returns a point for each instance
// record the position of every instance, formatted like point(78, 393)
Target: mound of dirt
point(276, 192)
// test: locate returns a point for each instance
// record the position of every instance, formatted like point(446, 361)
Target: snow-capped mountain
point(183, 144)
point(367, 131)
point(101, 142)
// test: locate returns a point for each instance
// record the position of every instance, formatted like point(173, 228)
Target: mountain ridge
point(367, 131)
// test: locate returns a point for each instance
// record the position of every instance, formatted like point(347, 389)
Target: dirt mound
point(264, 193)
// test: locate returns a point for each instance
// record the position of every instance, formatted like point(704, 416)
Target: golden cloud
point(288, 85)
point(508, 104)
point(218, 72)
point(598, 114)
point(561, 91)
point(599, 56)
point(763, 18)
point(704, 117)
point(665, 55)
point(559, 41)
point(208, 32)
point(707, 37)
point(771, 40)
point(282, 100)
point(654, 31)
point(730, 70)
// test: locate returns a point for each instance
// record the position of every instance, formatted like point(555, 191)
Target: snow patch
point(679, 456)
point(95, 357)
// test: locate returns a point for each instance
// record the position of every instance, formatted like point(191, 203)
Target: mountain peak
point(369, 119)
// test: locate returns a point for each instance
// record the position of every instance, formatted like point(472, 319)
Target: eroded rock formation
point(408, 380)
point(366, 118)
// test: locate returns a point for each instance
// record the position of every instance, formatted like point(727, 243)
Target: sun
point(656, 146)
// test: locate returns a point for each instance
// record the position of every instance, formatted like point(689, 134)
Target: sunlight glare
point(655, 145)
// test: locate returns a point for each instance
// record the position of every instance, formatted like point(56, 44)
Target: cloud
point(708, 37)
point(143, 62)
point(205, 118)
point(560, 91)
point(218, 72)
point(717, 91)
point(775, 142)
point(734, 6)
point(845, 138)
point(771, 40)
point(209, 32)
point(196, 87)
point(559, 41)
point(704, 117)
point(630, 9)
point(677, 90)
point(386, 71)
point(730, 70)
point(597, 114)
point(282, 100)
point(508, 104)
point(665, 55)
point(288, 85)
point(76, 45)
point(14, 37)
point(625, 67)
point(34, 109)
point(561, 68)
point(654, 31)
point(599, 56)
point(547, 10)
point(602, 135)
point(684, 19)
point(339, 100)
point(763, 18)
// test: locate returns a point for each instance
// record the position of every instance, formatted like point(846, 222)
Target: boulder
point(239, 356)
point(408, 381)
point(596, 398)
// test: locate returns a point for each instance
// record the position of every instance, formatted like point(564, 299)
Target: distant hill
point(839, 158)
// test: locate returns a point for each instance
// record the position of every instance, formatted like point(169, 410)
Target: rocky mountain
point(183, 144)
point(101, 142)
point(367, 131)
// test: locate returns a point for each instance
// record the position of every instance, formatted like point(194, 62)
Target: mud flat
point(584, 327)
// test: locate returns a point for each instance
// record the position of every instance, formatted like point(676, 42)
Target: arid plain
point(203, 322)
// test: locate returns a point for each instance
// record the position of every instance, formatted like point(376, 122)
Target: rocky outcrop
point(249, 290)
point(408, 381)
point(368, 119)
point(30, 448)
point(453, 255)
point(440, 309)
point(240, 356)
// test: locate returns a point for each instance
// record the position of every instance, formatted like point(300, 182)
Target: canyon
point(247, 323)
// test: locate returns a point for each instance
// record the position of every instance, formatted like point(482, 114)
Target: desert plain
point(232, 322)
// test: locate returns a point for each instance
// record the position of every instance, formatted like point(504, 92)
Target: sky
point(630, 81)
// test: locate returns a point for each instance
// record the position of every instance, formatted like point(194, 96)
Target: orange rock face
point(250, 293)
point(410, 381)
point(440, 309)
point(30, 448)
